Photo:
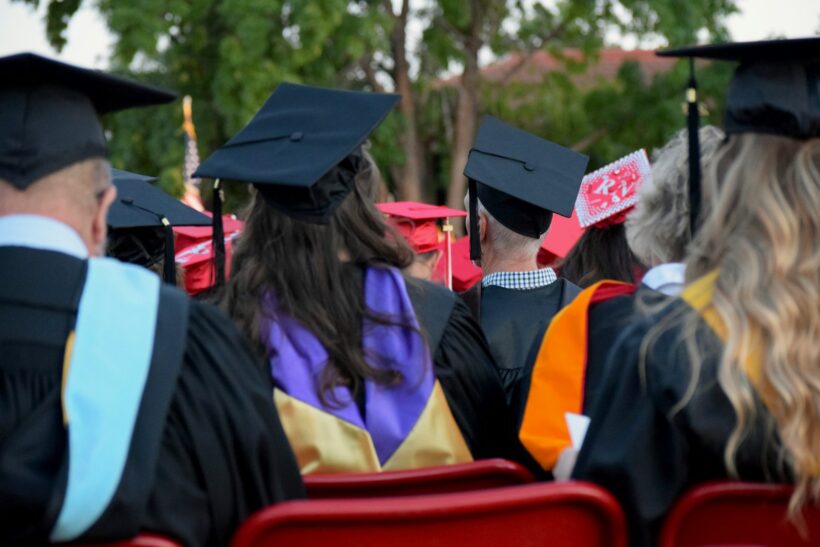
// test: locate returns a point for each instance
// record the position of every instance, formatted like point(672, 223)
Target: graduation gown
point(514, 322)
point(447, 408)
point(207, 447)
point(647, 454)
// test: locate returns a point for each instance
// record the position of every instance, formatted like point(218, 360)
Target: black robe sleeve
point(644, 449)
point(224, 454)
point(465, 367)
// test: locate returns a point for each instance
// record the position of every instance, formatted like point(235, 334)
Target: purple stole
point(403, 426)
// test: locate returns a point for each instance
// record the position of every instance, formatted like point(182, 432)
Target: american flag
point(191, 162)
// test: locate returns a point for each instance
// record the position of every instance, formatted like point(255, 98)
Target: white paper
point(577, 425)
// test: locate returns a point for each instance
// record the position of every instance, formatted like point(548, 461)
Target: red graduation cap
point(417, 222)
point(608, 194)
point(465, 274)
point(195, 254)
point(562, 236)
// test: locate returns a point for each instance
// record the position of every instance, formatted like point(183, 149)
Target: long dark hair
point(315, 272)
point(601, 253)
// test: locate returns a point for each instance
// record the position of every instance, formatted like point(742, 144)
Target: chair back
point(738, 513)
point(466, 477)
point(555, 514)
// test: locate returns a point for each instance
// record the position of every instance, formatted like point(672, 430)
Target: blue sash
point(109, 365)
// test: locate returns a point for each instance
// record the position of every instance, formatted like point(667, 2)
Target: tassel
point(475, 237)
point(218, 241)
point(169, 266)
point(693, 120)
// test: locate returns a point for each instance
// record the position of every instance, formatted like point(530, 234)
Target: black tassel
point(693, 120)
point(218, 241)
point(475, 237)
point(169, 266)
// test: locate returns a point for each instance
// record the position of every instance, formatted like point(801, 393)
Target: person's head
point(53, 147)
point(78, 195)
point(658, 229)
point(500, 244)
point(601, 253)
point(314, 271)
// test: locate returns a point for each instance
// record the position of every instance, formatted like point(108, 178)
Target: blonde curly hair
point(762, 236)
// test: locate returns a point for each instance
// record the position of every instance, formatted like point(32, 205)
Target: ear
point(483, 228)
point(99, 228)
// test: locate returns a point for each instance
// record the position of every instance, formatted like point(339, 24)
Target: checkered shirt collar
point(521, 280)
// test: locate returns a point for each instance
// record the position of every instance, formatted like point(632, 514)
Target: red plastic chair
point(142, 540)
point(554, 514)
point(444, 479)
point(737, 513)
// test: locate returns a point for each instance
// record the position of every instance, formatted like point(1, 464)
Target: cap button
point(529, 166)
point(296, 136)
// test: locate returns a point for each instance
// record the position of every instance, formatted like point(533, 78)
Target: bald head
point(78, 195)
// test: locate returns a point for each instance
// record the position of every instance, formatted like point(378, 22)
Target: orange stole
point(557, 384)
point(326, 444)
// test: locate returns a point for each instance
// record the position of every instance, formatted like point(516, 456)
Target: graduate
point(124, 407)
point(417, 223)
point(516, 182)
point(141, 221)
point(723, 382)
point(372, 370)
point(570, 370)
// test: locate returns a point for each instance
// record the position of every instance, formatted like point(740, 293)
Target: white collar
point(39, 232)
point(666, 278)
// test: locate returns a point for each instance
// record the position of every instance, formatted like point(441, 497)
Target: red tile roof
point(523, 68)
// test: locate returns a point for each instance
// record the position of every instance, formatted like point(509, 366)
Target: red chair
point(142, 540)
point(737, 513)
point(443, 479)
point(554, 514)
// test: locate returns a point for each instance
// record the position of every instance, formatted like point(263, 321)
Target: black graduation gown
point(221, 453)
point(514, 322)
point(646, 455)
point(465, 367)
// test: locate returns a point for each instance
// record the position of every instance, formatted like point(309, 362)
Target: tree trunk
point(465, 126)
point(409, 186)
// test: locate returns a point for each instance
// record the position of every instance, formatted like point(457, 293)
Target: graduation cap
point(609, 193)
point(142, 218)
point(520, 179)
point(417, 223)
point(49, 114)
point(301, 151)
point(775, 89)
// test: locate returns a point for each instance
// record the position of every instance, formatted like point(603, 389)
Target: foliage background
point(230, 54)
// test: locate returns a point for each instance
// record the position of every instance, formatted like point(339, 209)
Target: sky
point(89, 42)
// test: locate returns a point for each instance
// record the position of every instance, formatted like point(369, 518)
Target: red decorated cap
point(417, 222)
point(612, 190)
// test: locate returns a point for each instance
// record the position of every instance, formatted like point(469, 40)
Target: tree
point(230, 54)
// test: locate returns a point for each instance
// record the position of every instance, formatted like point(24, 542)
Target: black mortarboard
point(775, 90)
point(49, 114)
point(141, 219)
point(301, 151)
point(520, 179)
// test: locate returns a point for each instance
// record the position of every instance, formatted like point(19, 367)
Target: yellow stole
point(325, 444)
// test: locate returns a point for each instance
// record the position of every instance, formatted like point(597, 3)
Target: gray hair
point(505, 241)
point(658, 230)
